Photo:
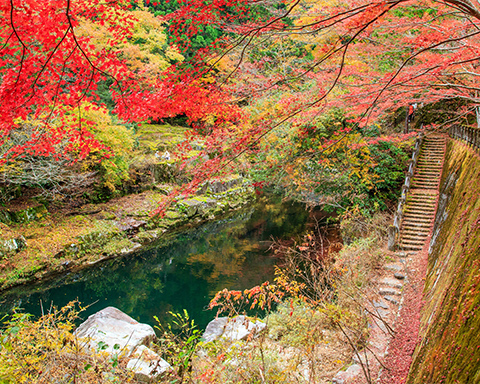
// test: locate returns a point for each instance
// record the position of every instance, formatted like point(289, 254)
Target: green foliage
point(341, 168)
point(118, 139)
point(45, 351)
point(178, 342)
point(296, 324)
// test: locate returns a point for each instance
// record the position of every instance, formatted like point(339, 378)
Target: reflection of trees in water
point(186, 273)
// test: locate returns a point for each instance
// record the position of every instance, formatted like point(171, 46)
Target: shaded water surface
point(182, 273)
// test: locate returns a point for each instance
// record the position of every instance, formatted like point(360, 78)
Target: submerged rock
point(233, 329)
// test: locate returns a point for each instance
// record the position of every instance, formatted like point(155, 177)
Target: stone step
point(404, 240)
point(424, 184)
point(425, 187)
point(419, 227)
point(426, 207)
point(431, 182)
point(410, 247)
point(409, 227)
point(417, 194)
point(424, 172)
point(419, 208)
point(394, 267)
point(418, 213)
point(412, 234)
point(418, 230)
point(420, 205)
point(434, 152)
point(392, 283)
point(413, 239)
point(422, 197)
point(426, 178)
point(417, 216)
point(428, 168)
point(429, 163)
point(415, 223)
point(421, 174)
point(389, 292)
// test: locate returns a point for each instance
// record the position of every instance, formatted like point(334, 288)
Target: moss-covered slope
point(449, 349)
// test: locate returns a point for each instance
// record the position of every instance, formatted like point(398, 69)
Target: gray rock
point(350, 374)
point(391, 282)
point(12, 246)
point(394, 267)
point(146, 364)
point(399, 276)
point(382, 313)
point(114, 332)
point(215, 329)
point(391, 299)
point(380, 304)
point(130, 225)
point(237, 328)
point(388, 291)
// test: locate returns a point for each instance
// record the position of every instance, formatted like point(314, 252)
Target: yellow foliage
point(118, 139)
point(46, 351)
point(145, 50)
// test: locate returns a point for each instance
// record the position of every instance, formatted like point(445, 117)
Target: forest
point(124, 121)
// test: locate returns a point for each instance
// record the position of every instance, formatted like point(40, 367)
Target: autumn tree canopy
point(271, 67)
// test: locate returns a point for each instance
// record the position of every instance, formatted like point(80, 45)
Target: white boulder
point(113, 331)
point(146, 364)
point(233, 329)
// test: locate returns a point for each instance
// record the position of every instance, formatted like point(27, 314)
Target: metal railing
point(470, 135)
point(394, 230)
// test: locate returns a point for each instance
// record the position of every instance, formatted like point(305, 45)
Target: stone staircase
point(421, 200)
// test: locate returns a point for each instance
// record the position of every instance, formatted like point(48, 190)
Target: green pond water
point(184, 272)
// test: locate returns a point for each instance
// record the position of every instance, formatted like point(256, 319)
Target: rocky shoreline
point(97, 232)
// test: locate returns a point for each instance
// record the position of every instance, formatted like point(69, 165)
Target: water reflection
point(183, 273)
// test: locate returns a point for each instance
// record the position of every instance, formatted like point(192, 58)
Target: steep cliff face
point(449, 348)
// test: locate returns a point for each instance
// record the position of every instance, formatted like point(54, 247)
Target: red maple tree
point(361, 56)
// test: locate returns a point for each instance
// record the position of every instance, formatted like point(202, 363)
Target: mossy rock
point(23, 215)
point(146, 237)
point(12, 246)
point(92, 241)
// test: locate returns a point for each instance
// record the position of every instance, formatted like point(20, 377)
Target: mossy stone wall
point(449, 348)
